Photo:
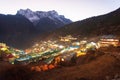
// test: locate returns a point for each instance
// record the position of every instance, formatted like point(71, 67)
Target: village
point(67, 53)
point(54, 52)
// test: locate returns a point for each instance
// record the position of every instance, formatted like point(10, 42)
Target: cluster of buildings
point(53, 48)
point(45, 46)
point(67, 38)
point(109, 40)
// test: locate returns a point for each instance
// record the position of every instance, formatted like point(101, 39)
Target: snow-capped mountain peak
point(29, 14)
point(36, 16)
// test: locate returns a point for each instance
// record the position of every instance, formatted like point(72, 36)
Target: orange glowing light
point(51, 66)
point(62, 59)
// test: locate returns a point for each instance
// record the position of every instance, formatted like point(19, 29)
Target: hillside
point(44, 21)
point(98, 66)
point(15, 30)
point(92, 27)
point(102, 64)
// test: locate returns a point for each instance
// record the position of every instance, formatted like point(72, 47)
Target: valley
point(39, 45)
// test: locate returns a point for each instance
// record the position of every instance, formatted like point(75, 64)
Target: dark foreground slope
point(89, 67)
point(98, 66)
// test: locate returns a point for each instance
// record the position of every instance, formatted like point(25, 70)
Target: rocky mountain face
point(20, 30)
point(108, 24)
point(44, 21)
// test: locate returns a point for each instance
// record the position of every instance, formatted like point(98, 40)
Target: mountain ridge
point(108, 24)
point(51, 19)
point(15, 30)
point(95, 26)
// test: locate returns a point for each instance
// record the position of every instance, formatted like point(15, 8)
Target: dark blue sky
point(73, 9)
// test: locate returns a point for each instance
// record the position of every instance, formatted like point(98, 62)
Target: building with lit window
point(109, 40)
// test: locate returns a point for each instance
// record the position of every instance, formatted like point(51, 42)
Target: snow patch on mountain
point(34, 17)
